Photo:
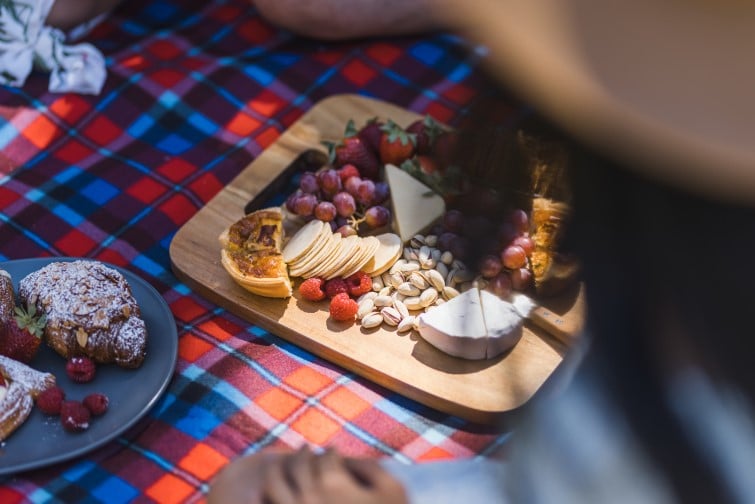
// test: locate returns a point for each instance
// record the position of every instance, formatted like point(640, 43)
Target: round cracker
point(388, 252)
point(347, 247)
point(324, 241)
point(302, 241)
point(329, 261)
point(367, 246)
point(316, 257)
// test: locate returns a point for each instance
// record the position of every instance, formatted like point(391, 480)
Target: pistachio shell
point(409, 289)
point(391, 316)
point(406, 324)
point(381, 301)
point(435, 279)
point(372, 320)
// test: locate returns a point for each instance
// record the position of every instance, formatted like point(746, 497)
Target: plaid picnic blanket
point(195, 90)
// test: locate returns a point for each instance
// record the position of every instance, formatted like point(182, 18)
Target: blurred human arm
point(304, 477)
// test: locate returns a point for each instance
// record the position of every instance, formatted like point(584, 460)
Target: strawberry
point(23, 334)
point(427, 130)
point(351, 150)
point(427, 164)
point(396, 144)
point(370, 134)
point(444, 148)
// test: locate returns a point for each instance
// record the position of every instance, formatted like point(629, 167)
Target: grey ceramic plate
point(41, 440)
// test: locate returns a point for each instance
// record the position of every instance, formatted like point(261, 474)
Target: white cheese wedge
point(503, 321)
point(415, 206)
point(474, 325)
point(457, 327)
point(523, 304)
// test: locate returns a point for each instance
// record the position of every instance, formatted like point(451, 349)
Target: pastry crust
point(7, 298)
point(90, 311)
point(15, 406)
point(552, 272)
point(19, 387)
point(251, 253)
point(29, 378)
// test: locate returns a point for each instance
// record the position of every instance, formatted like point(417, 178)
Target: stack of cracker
point(316, 251)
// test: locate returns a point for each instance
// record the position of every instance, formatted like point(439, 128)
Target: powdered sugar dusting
point(32, 380)
point(14, 409)
point(90, 311)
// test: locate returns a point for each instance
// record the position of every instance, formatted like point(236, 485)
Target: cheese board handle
point(554, 324)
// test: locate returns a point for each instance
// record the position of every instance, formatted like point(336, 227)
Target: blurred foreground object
point(663, 87)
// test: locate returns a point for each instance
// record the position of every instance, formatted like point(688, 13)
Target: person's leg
point(345, 19)
point(67, 14)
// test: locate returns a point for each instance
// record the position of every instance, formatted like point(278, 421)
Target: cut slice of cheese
point(504, 323)
point(416, 207)
point(473, 325)
point(457, 327)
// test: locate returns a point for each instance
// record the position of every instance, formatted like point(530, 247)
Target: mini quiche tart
point(251, 253)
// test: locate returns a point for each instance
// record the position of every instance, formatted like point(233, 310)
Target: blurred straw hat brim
point(667, 87)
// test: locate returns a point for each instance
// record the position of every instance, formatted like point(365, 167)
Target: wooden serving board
point(479, 391)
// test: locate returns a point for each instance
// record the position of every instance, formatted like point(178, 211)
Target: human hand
point(305, 478)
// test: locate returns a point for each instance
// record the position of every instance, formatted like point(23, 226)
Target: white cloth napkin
point(27, 44)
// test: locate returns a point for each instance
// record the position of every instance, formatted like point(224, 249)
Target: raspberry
point(96, 403)
point(359, 283)
point(74, 416)
point(80, 369)
point(311, 289)
point(336, 286)
point(342, 307)
point(50, 399)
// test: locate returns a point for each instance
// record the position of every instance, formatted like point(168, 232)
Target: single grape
point(382, 192)
point(453, 220)
point(445, 239)
point(346, 231)
point(437, 229)
point(507, 232)
point(305, 204)
point(330, 182)
point(366, 192)
point(308, 183)
point(520, 220)
point(325, 211)
point(521, 279)
point(348, 170)
point(513, 257)
point(377, 216)
point(525, 242)
point(345, 204)
point(352, 185)
point(459, 247)
point(290, 200)
point(501, 284)
point(490, 266)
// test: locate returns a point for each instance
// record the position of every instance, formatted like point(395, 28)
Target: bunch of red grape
point(342, 198)
point(505, 248)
